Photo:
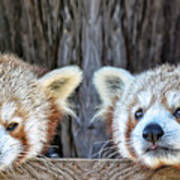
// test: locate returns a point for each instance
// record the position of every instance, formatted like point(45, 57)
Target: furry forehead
point(21, 78)
point(112, 82)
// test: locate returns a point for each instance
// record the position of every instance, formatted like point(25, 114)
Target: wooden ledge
point(86, 169)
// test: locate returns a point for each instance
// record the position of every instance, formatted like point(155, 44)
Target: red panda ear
point(61, 83)
point(110, 82)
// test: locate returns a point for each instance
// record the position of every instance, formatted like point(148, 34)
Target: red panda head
point(31, 107)
point(145, 115)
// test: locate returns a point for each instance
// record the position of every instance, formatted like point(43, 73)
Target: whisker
point(107, 148)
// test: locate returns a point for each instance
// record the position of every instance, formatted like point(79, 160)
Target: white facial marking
point(173, 99)
point(17, 119)
point(7, 111)
point(160, 115)
point(119, 130)
point(37, 125)
point(144, 98)
point(10, 148)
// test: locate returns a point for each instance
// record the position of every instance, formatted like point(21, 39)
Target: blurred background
point(133, 34)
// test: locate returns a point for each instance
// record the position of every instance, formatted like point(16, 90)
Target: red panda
point(31, 107)
point(144, 113)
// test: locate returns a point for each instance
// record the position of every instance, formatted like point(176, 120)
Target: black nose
point(152, 132)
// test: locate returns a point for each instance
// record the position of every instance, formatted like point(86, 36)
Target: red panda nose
point(152, 132)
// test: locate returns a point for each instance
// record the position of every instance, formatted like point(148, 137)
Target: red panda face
point(152, 132)
point(146, 114)
point(26, 133)
point(24, 125)
point(30, 108)
point(146, 120)
point(14, 142)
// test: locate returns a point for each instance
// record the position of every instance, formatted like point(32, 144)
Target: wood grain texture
point(83, 169)
point(151, 31)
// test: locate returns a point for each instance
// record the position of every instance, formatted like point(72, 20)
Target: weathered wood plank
point(81, 169)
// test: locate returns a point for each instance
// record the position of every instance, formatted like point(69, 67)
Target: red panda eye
point(177, 113)
point(139, 114)
point(12, 126)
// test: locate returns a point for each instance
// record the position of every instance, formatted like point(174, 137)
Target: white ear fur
point(62, 82)
point(111, 82)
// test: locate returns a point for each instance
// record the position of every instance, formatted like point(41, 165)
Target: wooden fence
point(83, 169)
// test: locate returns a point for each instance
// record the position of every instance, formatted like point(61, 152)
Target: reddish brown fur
point(177, 166)
point(164, 101)
point(109, 116)
point(109, 119)
point(20, 134)
point(54, 118)
point(130, 126)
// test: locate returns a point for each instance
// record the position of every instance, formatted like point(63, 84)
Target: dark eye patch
point(177, 113)
point(139, 114)
point(12, 126)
